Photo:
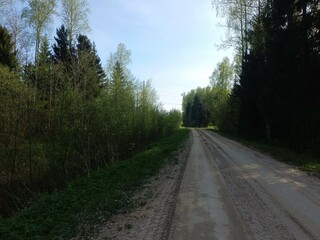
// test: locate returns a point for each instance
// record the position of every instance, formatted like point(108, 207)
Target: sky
point(172, 42)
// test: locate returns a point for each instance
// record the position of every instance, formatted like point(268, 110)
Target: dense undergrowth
point(90, 200)
point(304, 161)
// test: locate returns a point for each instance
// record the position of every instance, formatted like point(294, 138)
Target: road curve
point(232, 192)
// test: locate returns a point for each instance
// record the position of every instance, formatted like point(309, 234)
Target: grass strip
point(305, 162)
point(89, 201)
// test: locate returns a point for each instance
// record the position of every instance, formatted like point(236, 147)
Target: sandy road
point(232, 192)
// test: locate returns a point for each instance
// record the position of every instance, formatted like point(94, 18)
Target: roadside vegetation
point(89, 201)
point(63, 115)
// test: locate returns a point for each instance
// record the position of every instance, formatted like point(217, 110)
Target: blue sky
point(173, 42)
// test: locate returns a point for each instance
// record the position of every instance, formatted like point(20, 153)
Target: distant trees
point(221, 81)
point(208, 105)
point(194, 112)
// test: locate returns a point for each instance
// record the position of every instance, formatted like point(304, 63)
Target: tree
point(85, 46)
point(210, 104)
point(58, 122)
point(89, 71)
point(74, 16)
point(222, 76)
point(62, 50)
point(195, 109)
point(220, 80)
point(146, 103)
point(239, 17)
point(44, 70)
point(123, 56)
point(121, 94)
point(39, 15)
point(7, 54)
point(278, 88)
point(4, 8)
point(18, 28)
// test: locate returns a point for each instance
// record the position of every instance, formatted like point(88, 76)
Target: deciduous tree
point(74, 15)
point(39, 15)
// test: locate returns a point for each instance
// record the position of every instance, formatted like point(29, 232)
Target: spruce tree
point(62, 50)
point(7, 54)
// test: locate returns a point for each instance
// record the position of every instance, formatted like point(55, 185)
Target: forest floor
point(217, 188)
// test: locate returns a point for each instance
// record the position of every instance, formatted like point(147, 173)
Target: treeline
point(208, 105)
point(63, 116)
point(275, 95)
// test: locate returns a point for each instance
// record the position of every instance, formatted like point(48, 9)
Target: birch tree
point(239, 15)
point(18, 28)
point(39, 15)
point(74, 15)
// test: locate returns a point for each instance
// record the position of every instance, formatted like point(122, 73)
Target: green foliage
point(123, 56)
point(279, 81)
point(62, 50)
point(39, 15)
point(276, 93)
point(194, 110)
point(210, 105)
point(62, 119)
point(74, 15)
point(222, 76)
point(15, 102)
point(221, 84)
point(87, 53)
point(7, 54)
point(90, 200)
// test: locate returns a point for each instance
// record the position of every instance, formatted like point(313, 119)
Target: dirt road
point(232, 192)
point(215, 188)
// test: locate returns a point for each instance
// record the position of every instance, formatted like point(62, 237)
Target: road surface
point(229, 191)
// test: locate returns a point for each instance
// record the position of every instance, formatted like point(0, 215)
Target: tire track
point(261, 214)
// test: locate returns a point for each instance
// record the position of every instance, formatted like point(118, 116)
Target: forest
point(63, 115)
point(271, 89)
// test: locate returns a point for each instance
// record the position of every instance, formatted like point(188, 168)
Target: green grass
point(89, 201)
point(304, 162)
